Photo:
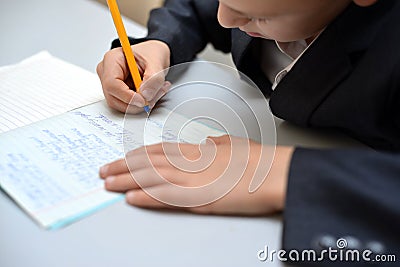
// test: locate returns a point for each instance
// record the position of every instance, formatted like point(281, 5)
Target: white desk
point(80, 31)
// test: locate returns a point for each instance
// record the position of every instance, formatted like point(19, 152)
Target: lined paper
point(43, 86)
point(50, 168)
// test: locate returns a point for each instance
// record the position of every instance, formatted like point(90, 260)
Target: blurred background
point(139, 10)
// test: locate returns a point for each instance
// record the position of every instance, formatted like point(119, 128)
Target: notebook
point(43, 86)
point(50, 165)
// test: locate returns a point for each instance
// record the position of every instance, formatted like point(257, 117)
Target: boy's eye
point(257, 19)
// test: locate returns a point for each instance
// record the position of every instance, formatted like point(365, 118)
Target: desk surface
point(80, 31)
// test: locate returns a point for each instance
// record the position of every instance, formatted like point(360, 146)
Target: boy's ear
point(365, 2)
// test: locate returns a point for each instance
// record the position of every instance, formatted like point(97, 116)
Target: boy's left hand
point(185, 165)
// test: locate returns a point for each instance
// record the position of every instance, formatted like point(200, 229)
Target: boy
point(331, 63)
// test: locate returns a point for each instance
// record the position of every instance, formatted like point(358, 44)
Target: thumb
point(153, 82)
point(217, 140)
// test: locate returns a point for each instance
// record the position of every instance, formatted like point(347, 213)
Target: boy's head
point(282, 20)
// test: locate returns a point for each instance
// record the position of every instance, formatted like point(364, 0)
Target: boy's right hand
point(152, 57)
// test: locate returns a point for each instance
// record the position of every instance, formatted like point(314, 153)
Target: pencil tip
point(147, 109)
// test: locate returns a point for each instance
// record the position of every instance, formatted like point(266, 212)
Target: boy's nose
point(229, 18)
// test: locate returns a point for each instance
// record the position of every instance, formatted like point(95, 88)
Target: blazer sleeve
point(186, 26)
point(350, 194)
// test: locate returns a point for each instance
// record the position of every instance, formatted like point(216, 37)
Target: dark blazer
point(349, 79)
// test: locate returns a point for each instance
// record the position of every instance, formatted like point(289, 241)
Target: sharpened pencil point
point(147, 109)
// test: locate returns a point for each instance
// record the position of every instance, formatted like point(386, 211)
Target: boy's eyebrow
point(234, 10)
point(241, 13)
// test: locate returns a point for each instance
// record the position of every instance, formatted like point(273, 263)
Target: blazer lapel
point(244, 48)
point(240, 45)
point(321, 68)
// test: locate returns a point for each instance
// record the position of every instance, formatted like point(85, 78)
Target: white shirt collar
point(293, 51)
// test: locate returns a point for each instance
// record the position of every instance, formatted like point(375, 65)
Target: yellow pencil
point(126, 47)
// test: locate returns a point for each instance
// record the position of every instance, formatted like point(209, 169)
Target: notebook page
point(43, 86)
point(50, 168)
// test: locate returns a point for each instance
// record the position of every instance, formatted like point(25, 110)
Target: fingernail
point(130, 195)
point(167, 86)
point(110, 179)
point(103, 170)
point(138, 104)
point(147, 95)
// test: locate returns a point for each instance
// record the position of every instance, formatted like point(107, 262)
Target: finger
point(115, 64)
point(118, 88)
point(143, 178)
point(162, 197)
point(120, 183)
point(137, 100)
point(114, 76)
point(153, 82)
point(217, 140)
point(114, 168)
point(205, 209)
point(145, 152)
point(115, 103)
point(162, 154)
point(176, 149)
point(160, 94)
point(146, 161)
point(166, 86)
point(140, 198)
point(152, 154)
point(121, 106)
point(100, 68)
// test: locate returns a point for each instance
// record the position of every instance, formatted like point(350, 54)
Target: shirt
point(279, 58)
